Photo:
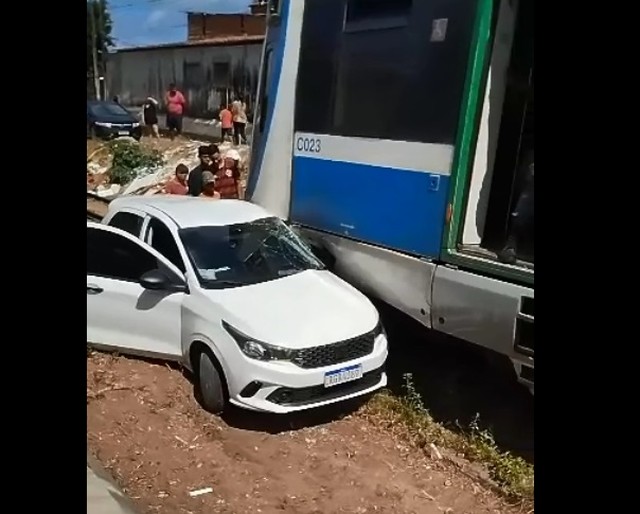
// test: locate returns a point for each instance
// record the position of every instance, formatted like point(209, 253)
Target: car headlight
point(257, 349)
point(104, 124)
point(136, 124)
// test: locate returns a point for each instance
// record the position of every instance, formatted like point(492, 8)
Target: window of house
point(114, 256)
point(221, 74)
point(395, 83)
point(193, 75)
point(127, 221)
point(160, 237)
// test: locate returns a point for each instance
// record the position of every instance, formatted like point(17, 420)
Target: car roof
point(189, 211)
point(102, 102)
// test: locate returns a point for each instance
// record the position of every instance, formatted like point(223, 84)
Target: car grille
point(335, 353)
point(290, 397)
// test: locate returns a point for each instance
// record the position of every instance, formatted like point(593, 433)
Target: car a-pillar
point(210, 384)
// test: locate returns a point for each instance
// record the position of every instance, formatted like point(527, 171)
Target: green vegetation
point(513, 475)
point(128, 158)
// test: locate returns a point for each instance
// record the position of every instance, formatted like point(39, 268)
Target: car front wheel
point(210, 387)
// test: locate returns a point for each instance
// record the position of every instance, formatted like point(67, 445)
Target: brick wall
point(208, 26)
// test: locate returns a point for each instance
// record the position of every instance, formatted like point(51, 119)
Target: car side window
point(111, 255)
point(160, 237)
point(128, 222)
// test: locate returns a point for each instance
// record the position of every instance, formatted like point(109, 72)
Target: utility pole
point(94, 47)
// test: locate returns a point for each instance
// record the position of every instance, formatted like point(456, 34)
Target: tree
point(99, 26)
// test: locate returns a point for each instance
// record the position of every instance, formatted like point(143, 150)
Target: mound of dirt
point(172, 457)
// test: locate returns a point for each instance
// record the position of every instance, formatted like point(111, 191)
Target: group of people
point(216, 176)
point(233, 121)
point(233, 118)
point(175, 104)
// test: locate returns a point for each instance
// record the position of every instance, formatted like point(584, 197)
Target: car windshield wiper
point(227, 282)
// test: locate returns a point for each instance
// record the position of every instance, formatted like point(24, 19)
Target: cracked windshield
point(246, 253)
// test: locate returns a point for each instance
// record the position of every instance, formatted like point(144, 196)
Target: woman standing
point(239, 111)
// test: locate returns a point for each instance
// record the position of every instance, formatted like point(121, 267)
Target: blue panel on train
point(398, 209)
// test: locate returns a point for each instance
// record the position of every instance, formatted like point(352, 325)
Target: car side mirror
point(156, 280)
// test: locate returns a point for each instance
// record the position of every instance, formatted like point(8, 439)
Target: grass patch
point(512, 474)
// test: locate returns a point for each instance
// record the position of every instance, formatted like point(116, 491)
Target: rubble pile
point(151, 181)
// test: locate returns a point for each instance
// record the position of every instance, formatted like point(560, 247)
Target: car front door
point(121, 314)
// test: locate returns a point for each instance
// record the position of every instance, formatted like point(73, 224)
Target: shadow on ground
point(277, 423)
point(459, 381)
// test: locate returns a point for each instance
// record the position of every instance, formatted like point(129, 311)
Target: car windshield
point(246, 253)
point(107, 109)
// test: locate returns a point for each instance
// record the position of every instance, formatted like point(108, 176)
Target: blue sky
point(150, 22)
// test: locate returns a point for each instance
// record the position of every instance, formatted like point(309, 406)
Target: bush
point(128, 158)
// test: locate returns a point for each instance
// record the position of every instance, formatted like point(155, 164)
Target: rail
point(96, 207)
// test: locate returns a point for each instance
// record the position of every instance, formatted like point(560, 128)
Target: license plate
point(123, 132)
point(340, 376)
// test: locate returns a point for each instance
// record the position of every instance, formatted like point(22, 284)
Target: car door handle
point(93, 289)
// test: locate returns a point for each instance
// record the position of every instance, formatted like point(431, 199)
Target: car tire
point(210, 387)
point(91, 132)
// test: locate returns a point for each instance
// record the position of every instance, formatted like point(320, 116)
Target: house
point(219, 61)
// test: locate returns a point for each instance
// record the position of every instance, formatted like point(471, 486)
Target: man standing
point(207, 155)
point(150, 115)
point(175, 103)
point(239, 110)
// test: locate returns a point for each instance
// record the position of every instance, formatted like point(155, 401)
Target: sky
point(152, 22)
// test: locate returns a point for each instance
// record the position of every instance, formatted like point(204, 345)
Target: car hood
point(299, 311)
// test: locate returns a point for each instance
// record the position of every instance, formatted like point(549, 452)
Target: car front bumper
point(113, 132)
point(282, 387)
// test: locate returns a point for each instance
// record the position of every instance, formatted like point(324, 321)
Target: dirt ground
point(145, 426)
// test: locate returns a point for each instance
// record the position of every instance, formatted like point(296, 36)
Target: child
point(178, 184)
point(226, 119)
point(208, 186)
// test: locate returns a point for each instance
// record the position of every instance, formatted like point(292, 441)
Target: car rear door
point(121, 314)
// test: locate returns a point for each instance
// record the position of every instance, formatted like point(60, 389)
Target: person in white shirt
point(239, 111)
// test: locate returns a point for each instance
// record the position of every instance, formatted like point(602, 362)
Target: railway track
point(96, 207)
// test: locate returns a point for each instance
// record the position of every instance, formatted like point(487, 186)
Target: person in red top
point(226, 119)
point(178, 184)
point(228, 176)
point(175, 103)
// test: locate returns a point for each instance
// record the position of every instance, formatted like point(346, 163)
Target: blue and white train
point(393, 133)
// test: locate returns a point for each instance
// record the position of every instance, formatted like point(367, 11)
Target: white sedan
point(234, 295)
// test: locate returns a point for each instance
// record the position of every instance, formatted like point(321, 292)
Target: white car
point(234, 295)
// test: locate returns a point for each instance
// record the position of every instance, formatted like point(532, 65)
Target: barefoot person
point(175, 104)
